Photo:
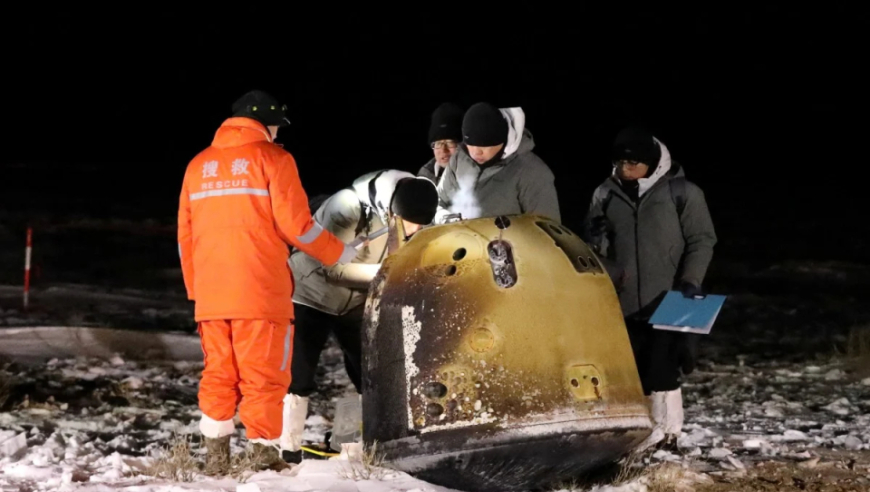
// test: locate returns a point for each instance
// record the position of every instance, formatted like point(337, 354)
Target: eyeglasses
point(627, 163)
point(450, 144)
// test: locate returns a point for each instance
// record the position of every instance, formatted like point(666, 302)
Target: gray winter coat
point(520, 182)
point(655, 246)
point(428, 171)
point(338, 289)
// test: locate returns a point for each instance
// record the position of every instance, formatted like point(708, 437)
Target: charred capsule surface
point(488, 343)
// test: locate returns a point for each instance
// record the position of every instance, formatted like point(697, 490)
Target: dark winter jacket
point(656, 247)
point(519, 182)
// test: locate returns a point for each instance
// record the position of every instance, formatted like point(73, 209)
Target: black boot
point(292, 456)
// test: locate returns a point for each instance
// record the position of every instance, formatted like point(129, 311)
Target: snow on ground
point(97, 424)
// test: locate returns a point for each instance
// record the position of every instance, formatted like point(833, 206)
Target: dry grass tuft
point(369, 467)
point(177, 462)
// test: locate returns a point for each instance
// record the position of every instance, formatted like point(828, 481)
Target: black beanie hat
point(446, 123)
point(262, 107)
point(484, 126)
point(415, 200)
point(636, 144)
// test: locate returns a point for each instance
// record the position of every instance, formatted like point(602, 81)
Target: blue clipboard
point(695, 315)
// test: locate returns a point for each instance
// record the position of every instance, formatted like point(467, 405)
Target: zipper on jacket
point(637, 252)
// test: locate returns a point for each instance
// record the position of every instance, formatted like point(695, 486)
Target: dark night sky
point(765, 107)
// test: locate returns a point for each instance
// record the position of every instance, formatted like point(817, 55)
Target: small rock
point(736, 463)
point(773, 412)
point(853, 443)
point(813, 369)
point(754, 443)
point(843, 402)
point(839, 410)
point(834, 374)
point(866, 382)
point(13, 446)
point(720, 453)
point(663, 455)
point(133, 382)
point(116, 360)
point(692, 439)
point(794, 435)
point(809, 464)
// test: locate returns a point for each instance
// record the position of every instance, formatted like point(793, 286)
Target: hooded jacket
point(517, 182)
point(655, 246)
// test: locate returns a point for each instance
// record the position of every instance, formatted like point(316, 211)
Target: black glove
point(690, 290)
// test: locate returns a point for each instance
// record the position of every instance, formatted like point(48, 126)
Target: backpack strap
point(678, 193)
point(364, 212)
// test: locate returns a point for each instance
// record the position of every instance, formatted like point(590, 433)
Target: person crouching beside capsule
point(331, 299)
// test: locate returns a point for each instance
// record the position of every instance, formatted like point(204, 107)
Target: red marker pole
point(27, 251)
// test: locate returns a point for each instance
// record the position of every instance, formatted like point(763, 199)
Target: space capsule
point(496, 357)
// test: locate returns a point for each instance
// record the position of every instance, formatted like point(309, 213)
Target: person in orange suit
point(241, 205)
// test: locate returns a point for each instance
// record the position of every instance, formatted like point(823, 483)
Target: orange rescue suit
point(241, 204)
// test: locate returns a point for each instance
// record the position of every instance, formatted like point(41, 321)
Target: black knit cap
point(415, 200)
point(262, 107)
point(636, 144)
point(446, 123)
point(484, 126)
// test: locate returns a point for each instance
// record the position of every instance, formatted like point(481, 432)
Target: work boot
point(666, 410)
point(217, 458)
point(266, 457)
point(294, 457)
point(294, 414)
